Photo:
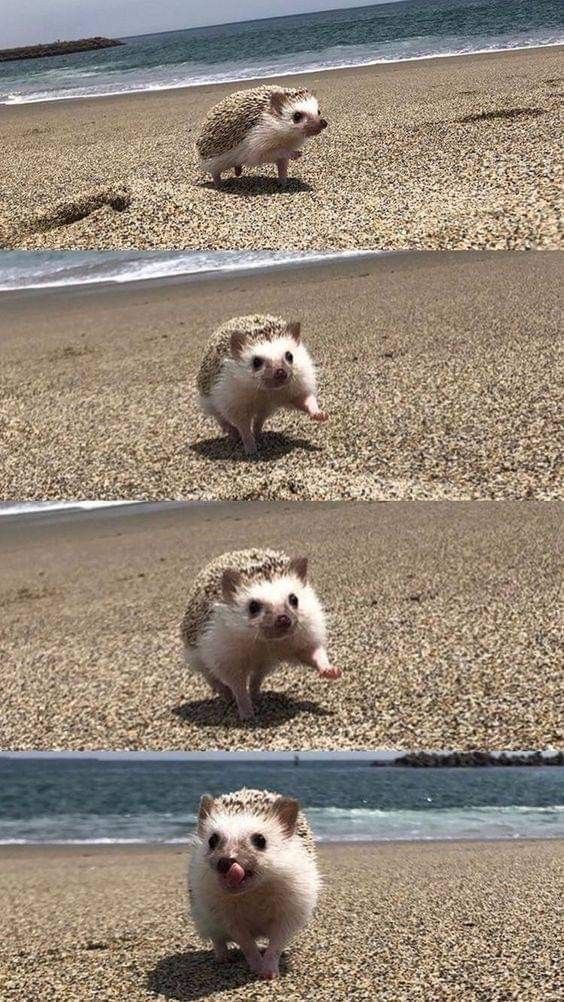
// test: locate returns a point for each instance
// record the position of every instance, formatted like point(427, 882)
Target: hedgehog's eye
point(258, 841)
point(213, 841)
point(297, 117)
point(254, 607)
point(257, 362)
point(289, 357)
point(293, 600)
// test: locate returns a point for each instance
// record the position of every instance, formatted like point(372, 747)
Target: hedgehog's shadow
point(198, 975)
point(271, 445)
point(258, 184)
point(271, 708)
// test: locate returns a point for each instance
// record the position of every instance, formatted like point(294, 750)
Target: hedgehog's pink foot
point(269, 970)
point(318, 659)
point(310, 406)
point(251, 952)
point(296, 154)
point(238, 170)
point(248, 439)
point(244, 702)
point(282, 166)
point(220, 950)
point(216, 179)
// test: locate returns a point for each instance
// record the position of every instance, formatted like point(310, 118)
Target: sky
point(25, 22)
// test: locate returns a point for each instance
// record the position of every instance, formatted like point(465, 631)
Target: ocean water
point(51, 269)
point(392, 32)
point(90, 801)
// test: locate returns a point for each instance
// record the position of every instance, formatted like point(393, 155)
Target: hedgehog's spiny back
point(258, 327)
point(253, 564)
point(260, 802)
point(227, 123)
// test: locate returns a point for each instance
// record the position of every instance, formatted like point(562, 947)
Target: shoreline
point(334, 258)
point(288, 75)
point(16, 850)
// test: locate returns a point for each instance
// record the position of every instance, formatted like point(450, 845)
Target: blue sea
point(59, 801)
point(382, 33)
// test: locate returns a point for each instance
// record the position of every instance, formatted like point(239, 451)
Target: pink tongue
point(235, 875)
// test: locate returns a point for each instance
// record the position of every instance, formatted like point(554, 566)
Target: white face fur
point(303, 117)
point(275, 610)
point(244, 850)
point(274, 364)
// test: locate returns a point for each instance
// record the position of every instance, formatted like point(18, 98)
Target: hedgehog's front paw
point(330, 672)
point(320, 416)
point(296, 155)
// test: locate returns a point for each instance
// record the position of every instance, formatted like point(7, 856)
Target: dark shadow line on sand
point(271, 445)
point(198, 975)
point(257, 184)
point(271, 708)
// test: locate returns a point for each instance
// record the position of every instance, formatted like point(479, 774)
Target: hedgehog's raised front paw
point(296, 155)
point(320, 416)
point(330, 672)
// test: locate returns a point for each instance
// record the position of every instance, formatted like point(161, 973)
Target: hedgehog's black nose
point(283, 622)
point(224, 864)
point(323, 123)
point(280, 375)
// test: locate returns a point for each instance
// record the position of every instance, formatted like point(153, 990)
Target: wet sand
point(443, 617)
point(438, 371)
point(407, 922)
point(440, 153)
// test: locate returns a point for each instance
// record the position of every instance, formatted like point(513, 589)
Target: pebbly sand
point(397, 922)
point(438, 371)
point(443, 617)
point(439, 153)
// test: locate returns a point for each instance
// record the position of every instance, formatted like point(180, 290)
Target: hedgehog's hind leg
point(217, 178)
point(219, 687)
point(238, 170)
point(257, 678)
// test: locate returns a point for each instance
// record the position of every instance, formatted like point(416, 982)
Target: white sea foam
point(330, 824)
point(43, 270)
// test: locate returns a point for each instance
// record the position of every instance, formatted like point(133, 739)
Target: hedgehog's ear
point(277, 101)
point(204, 811)
point(298, 566)
point(285, 809)
point(230, 581)
point(294, 329)
point(238, 339)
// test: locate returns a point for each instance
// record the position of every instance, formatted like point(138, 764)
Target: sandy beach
point(442, 617)
point(468, 921)
point(435, 153)
point(437, 370)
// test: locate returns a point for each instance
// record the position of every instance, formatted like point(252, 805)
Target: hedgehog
point(251, 367)
point(253, 875)
point(248, 611)
point(263, 125)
